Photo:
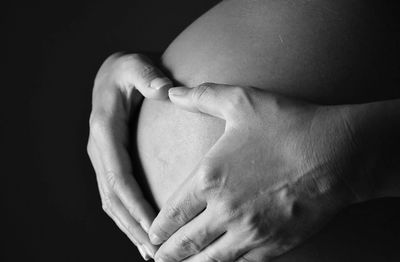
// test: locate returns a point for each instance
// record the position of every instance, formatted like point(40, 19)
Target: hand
point(114, 96)
point(279, 172)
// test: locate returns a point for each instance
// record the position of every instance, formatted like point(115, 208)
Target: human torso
point(322, 51)
point(314, 50)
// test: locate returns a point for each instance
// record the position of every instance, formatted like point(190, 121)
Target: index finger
point(135, 70)
point(181, 207)
point(118, 169)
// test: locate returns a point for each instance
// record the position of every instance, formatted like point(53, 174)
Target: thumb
point(137, 71)
point(214, 99)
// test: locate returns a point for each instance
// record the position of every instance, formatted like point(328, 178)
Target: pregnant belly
point(315, 50)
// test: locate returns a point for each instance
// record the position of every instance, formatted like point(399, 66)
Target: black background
point(51, 207)
point(52, 52)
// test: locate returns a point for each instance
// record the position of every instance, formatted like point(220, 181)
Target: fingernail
point(142, 251)
point(155, 239)
point(160, 82)
point(149, 251)
point(177, 91)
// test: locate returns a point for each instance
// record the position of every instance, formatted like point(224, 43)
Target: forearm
point(376, 130)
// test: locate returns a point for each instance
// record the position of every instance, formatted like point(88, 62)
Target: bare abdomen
point(322, 51)
point(315, 50)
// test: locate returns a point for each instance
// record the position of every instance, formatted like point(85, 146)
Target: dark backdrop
point(49, 195)
point(53, 49)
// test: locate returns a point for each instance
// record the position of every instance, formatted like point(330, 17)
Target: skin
point(115, 95)
point(282, 168)
point(324, 57)
point(164, 114)
point(278, 208)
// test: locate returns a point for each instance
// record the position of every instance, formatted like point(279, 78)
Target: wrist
point(362, 150)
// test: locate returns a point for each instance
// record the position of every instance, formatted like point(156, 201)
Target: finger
point(255, 255)
point(222, 101)
point(191, 238)
point(138, 71)
point(127, 190)
point(131, 228)
point(115, 210)
point(96, 162)
point(111, 203)
point(228, 247)
point(118, 172)
point(264, 253)
point(180, 208)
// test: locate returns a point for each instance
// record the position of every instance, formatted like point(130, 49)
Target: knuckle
point(148, 72)
point(106, 204)
point(175, 214)
point(113, 59)
point(254, 223)
point(128, 60)
point(139, 58)
point(199, 92)
point(239, 99)
point(133, 210)
point(106, 66)
point(229, 210)
point(208, 177)
point(135, 57)
point(141, 63)
point(188, 245)
point(89, 149)
point(112, 179)
point(98, 124)
point(105, 207)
